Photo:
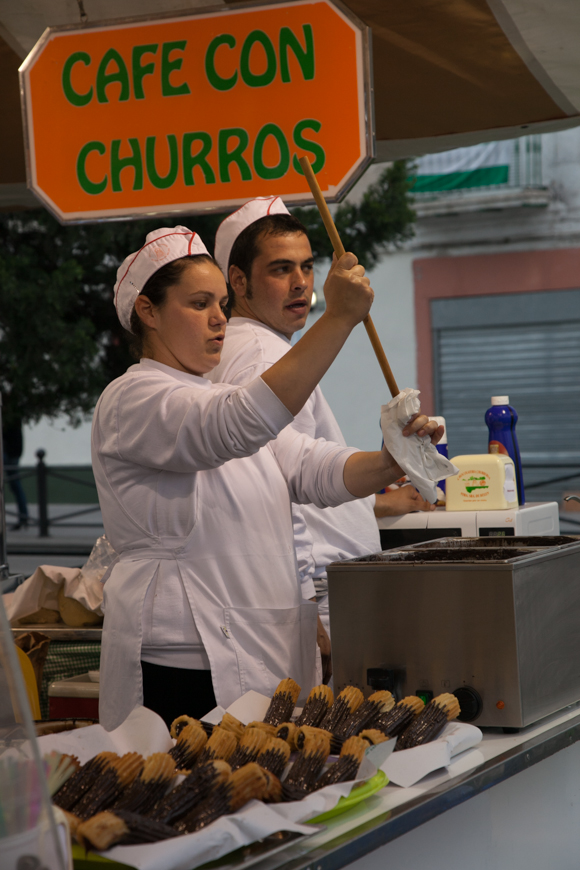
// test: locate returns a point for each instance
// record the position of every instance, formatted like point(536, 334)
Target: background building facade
point(484, 301)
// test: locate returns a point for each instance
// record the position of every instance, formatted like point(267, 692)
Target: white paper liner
point(407, 767)
point(145, 732)
point(253, 822)
point(324, 800)
point(251, 707)
point(142, 731)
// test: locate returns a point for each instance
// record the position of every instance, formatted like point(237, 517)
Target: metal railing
point(42, 472)
point(554, 492)
point(527, 162)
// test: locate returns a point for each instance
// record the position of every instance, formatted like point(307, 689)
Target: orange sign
point(198, 112)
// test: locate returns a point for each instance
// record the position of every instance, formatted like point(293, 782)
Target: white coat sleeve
point(172, 426)
point(313, 468)
point(304, 421)
point(303, 540)
point(303, 544)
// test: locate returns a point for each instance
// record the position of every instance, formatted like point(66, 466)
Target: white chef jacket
point(337, 533)
point(195, 497)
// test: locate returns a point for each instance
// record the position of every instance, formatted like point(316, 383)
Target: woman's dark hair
point(156, 291)
point(246, 247)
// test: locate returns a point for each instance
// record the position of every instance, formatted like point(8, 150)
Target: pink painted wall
point(482, 275)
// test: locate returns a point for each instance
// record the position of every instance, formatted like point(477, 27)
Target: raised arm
point(327, 474)
point(348, 301)
point(293, 378)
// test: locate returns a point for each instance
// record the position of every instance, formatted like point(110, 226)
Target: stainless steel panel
point(536, 542)
point(547, 607)
point(509, 629)
point(445, 628)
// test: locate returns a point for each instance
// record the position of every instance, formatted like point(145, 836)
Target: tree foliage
point(60, 340)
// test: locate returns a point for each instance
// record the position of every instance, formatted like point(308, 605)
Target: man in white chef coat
point(267, 260)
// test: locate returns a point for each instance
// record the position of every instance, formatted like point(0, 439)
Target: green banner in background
point(490, 164)
point(488, 175)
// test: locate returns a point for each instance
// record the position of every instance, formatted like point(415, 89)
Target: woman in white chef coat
point(204, 602)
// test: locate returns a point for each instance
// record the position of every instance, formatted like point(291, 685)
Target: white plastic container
point(486, 482)
point(17, 846)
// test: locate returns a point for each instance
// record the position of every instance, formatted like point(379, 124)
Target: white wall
point(63, 444)
point(496, 229)
point(354, 386)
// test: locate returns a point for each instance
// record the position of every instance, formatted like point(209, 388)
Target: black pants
point(173, 692)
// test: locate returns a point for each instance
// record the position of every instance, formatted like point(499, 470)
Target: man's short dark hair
point(246, 247)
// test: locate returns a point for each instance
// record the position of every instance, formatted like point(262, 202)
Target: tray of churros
point(157, 800)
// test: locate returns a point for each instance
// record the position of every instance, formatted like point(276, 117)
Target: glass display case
point(32, 836)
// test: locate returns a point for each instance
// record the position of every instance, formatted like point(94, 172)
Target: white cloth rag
point(418, 457)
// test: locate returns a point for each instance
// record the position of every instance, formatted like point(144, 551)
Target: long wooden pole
point(339, 251)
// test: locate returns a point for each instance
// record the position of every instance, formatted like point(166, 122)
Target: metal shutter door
point(537, 365)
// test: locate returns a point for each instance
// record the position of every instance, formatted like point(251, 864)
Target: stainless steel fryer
point(495, 621)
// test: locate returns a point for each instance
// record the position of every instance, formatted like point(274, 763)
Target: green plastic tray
point(87, 860)
point(358, 794)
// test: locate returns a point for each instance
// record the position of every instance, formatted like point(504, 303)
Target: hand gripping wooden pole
point(339, 251)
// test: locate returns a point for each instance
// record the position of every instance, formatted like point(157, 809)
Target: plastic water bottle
point(442, 448)
point(501, 421)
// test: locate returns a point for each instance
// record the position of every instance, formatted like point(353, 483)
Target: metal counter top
point(395, 811)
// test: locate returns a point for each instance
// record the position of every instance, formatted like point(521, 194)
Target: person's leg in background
point(12, 474)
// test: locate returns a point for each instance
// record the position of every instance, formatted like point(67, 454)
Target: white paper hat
point(234, 224)
point(161, 247)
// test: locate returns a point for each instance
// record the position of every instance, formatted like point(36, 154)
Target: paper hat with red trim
point(234, 224)
point(161, 247)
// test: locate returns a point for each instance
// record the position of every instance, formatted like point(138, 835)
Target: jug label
point(474, 484)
